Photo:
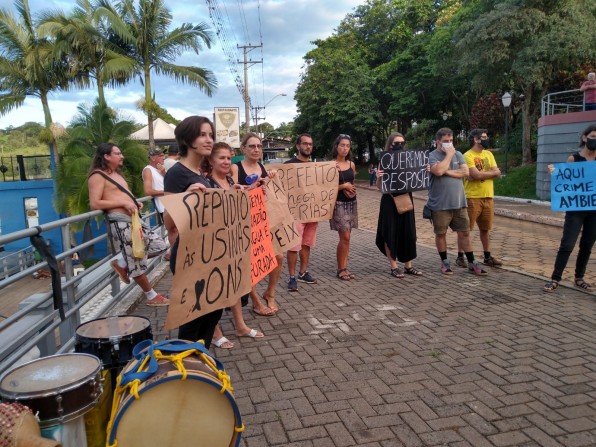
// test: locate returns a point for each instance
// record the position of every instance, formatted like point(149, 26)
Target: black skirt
point(398, 231)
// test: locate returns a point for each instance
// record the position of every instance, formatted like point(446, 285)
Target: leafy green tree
point(522, 45)
point(335, 94)
point(28, 66)
point(83, 38)
point(92, 126)
point(146, 33)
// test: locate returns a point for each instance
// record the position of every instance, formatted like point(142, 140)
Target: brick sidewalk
point(422, 361)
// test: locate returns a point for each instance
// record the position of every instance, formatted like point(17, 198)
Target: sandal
point(579, 282)
point(397, 272)
point(264, 312)
point(551, 286)
point(343, 274)
point(413, 271)
point(223, 343)
point(352, 276)
point(275, 307)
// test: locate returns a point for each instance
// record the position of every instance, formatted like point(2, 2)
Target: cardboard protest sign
point(281, 221)
point(404, 171)
point(213, 261)
point(311, 189)
point(262, 257)
point(573, 187)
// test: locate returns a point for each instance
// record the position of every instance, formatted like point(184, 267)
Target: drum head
point(176, 413)
point(113, 326)
point(49, 375)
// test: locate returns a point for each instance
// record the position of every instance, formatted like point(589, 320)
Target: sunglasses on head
point(343, 135)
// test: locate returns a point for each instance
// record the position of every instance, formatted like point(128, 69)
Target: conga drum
point(59, 389)
point(174, 393)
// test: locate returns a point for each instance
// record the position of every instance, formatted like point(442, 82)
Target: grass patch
point(520, 182)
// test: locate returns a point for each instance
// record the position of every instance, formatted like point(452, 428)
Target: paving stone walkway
point(421, 361)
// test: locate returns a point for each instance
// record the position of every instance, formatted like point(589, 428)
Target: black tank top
point(577, 157)
point(346, 176)
point(242, 173)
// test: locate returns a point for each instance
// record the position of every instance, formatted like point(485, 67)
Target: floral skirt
point(345, 216)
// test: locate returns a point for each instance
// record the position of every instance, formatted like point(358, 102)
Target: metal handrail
point(563, 102)
point(78, 290)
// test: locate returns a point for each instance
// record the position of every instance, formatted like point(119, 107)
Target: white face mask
point(447, 145)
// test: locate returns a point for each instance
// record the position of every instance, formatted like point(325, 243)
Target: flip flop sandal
point(397, 272)
point(352, 276)
point(579, 282)
point(551, 286)
point(253, 334)
point(412, 271)
point(267, 312)
point(223, 343)
point(343, 274)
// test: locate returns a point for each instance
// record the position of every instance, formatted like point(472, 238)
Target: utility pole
point(247, 63)
point(257, 117)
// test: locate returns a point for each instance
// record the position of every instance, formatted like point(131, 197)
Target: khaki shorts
point(481, 211)
point(308, 231)
point(457, 220)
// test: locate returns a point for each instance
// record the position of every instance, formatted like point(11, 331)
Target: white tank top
point(157, 184)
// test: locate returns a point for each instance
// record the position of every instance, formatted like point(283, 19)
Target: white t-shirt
point(157, 184)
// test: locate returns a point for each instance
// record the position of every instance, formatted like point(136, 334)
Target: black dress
point(398, 231)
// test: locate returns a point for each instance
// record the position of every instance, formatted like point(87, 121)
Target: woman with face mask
point(576, 222)
point(396, 233)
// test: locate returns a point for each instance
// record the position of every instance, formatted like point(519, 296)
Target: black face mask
point(485, 144)
point(591, 144)
point(397, 146)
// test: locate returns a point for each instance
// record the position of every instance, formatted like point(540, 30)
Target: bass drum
point(172, 406)
point(112, 339)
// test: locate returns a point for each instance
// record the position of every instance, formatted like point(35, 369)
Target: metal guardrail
point(37, 325)
point(11, 263)
point(563, 102)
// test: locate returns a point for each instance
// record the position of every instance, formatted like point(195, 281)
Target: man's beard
point(304, 154)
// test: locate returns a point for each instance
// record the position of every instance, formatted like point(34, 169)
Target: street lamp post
point(506, 100)
point(265, 106)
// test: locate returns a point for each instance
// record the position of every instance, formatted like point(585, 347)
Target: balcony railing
point(563, 102)
point(25, 167)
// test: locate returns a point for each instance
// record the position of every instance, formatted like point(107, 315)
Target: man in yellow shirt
point(480, 192)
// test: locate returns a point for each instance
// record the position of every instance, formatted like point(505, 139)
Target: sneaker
point(493, 262)
point(306, 277)
point(446, 268)
point(122, 272)
point(159, 300)
point(292, 284)
point(461, 262)
point(474, 267)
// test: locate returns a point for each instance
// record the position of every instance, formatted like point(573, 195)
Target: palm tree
point(84, 38)
point(155, 47)
point(92, 126)
point(28, 67)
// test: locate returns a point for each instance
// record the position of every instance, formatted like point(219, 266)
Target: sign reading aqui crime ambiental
point(573, 187)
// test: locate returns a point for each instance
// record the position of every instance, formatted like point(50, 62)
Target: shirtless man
point(119, 204)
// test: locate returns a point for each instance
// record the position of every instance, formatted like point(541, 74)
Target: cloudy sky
point(287, 30)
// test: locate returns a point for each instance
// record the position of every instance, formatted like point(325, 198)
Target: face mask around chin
point(591, 144)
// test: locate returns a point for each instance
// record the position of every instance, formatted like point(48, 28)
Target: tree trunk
point(527, 127)
point(149, 106)
point(48, 122)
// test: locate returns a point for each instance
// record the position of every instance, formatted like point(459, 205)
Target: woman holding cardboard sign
point(345, 214)
point(576, 222)
point(194, 136)
point(396, 231)
point(220, 162)
point(247, 172)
